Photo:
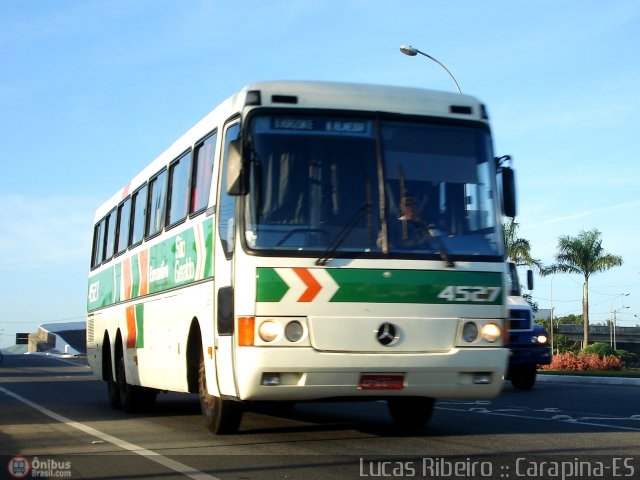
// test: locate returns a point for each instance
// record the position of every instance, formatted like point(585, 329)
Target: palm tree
point(583, 255)
point(518, 249)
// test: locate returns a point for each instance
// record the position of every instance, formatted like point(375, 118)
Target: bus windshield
point(316, 183)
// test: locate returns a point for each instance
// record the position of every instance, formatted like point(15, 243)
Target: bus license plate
point(381, 382)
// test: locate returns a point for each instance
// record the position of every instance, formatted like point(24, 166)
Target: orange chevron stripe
point(313, 287)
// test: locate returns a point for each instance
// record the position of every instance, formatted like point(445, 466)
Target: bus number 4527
point(460, 293)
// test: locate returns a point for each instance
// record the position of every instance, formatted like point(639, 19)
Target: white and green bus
point(308, 241)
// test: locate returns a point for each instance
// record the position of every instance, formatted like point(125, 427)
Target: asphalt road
point(54, 418)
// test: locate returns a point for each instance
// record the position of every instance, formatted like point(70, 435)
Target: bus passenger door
point(223, 274)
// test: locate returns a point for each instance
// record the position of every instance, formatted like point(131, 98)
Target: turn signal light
point(246, 327)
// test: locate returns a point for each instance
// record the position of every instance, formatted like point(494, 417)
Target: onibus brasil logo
point(20, 467)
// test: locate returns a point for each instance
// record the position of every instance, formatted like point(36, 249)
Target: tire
point(221, 416)
point(524, 377)
point(113, 392)
point(132, 398)
point(410, 412)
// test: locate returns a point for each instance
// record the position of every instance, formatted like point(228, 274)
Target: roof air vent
point(463, 109)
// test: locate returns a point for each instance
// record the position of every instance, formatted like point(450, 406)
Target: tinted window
point(157, 203)
point(96, 257)
point(202, 171)
point(139, 213)
point(122, 233)
point(178, 189)
point(227, 214)
point(110, 232)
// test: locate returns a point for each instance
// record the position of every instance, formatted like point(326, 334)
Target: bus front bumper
point(296, 374)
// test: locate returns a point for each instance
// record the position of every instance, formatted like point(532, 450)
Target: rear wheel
point(113, 391)
point(410, 412)
point(220, 416)
point(132, 398)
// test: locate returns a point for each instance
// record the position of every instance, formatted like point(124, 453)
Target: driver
point(409, 230)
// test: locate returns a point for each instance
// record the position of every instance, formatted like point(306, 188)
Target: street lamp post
point(612, 320)
point(552, 277)
point(614, 326)
point(412, 52)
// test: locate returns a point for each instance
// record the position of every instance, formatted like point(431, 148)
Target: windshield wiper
point(434, 234)
point(342, 235)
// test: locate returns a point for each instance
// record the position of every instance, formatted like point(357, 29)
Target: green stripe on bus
point(135, 276)
point(117, 278)
point(408, 286)
point(177, 261)
point(139, 309)
point(271, 287)
point(395, 286)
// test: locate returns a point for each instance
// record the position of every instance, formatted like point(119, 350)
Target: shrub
point(584, 361)
point(600, 348)
point(629, 358)
point(604, 349)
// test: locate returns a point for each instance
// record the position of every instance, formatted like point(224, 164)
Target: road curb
point(588, 380)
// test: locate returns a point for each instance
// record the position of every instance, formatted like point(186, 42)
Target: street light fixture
point(412, 52)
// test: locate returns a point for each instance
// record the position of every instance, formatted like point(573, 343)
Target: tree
point(583, 255)
point(518, 249)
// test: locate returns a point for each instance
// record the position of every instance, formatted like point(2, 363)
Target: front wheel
point(524, 377)
point(410, 412)
point(220, 416)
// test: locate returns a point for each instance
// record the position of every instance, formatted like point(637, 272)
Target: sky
point(92, 90)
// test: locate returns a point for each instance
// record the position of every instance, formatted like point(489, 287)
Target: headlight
point(280, 332)
point(470, 332)
point(491, 332)
point(540, 339)
point(269, 331)
point(294, 331)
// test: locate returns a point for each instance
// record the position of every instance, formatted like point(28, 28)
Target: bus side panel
point(94, 345)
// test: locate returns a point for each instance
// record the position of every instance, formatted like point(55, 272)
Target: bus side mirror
point(235, 174)
point(508, 192)
point(529, 280)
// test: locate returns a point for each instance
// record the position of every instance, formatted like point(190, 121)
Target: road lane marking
point(149, 454)
point(555, 418)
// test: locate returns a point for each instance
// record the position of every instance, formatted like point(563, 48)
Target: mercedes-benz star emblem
point(387, 334)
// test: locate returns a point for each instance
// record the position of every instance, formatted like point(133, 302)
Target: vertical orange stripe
point(126, 277)
point(131, 327)
point(143, 262)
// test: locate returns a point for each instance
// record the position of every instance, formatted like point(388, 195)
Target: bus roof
point(311, 94)
point(365, 97)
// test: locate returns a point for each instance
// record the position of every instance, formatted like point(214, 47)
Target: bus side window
point(227, 203)
point(110, 231)
point(157, 203)
point(178, 190)
point(122, 230)
point(202, 172)
point(98, 242)
point(138, 215)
